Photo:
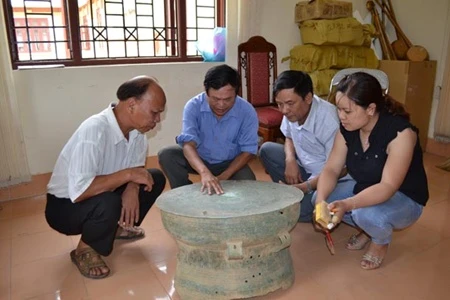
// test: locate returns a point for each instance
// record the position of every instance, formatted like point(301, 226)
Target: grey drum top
point(241, 198)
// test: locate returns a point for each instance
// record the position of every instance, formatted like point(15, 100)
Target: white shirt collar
point(311, 118)
point(115, 128)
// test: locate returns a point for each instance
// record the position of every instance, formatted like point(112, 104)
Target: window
point(27, 40)
point(93, 32)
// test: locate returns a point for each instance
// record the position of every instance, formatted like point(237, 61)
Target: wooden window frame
point(75, 44)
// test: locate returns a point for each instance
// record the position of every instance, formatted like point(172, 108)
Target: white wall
point(53, 102)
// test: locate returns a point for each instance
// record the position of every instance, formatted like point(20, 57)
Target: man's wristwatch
point(309, 188)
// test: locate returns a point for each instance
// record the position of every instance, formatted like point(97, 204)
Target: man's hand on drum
point(301, 186)
point(210, 183)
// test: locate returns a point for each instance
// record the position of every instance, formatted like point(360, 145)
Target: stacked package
point(332, 40)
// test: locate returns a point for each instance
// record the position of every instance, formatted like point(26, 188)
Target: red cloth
point(269, 116)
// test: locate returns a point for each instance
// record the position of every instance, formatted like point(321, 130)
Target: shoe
point(357, 241)
point(131, 233)
point(371, 261)
point(88, 259)
point(374, 260)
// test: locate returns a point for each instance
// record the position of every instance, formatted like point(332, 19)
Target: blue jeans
point(379, 220)
point(273, 159)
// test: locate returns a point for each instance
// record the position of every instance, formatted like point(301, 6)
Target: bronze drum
point(234, 245)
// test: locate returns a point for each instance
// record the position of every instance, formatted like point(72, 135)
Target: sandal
point(131, 233)
point(357, 241)
point(88, 259)
point(369, 258)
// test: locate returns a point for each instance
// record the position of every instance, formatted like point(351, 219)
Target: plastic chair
point(378, 74)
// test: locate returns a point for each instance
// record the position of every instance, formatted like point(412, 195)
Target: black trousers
point(96, 218)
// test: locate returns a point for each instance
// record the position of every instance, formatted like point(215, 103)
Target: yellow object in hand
point(323, 215)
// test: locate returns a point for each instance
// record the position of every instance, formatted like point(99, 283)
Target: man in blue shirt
point(218, 138)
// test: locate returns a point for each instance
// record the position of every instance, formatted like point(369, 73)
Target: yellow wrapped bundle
point(322, 9)
point(321, 81)
point(346, 31)
point(311, 58)
point(323, 215)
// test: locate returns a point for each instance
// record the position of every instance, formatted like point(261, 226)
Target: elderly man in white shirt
point(99, 187)
point(309, 125)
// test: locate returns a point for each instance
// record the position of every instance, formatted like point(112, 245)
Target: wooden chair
point(257, 65)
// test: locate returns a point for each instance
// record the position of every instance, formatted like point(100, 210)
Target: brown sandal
point(88, 259)
point(356, 242)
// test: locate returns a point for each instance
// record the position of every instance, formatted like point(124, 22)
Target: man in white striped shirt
point(309, 125)
point(99, 187)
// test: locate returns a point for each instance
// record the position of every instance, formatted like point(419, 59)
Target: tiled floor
point(35, 264)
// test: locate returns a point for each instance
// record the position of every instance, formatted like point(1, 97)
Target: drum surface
point(241, 198)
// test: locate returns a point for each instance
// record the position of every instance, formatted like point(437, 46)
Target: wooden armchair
point(257, 65)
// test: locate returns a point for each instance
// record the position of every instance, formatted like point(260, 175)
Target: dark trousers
point(96, 218)
point(273, 159)
point(177, 168)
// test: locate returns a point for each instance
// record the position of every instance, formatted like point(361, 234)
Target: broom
point(445, 165)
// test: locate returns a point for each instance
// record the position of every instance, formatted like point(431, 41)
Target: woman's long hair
point(364, 89)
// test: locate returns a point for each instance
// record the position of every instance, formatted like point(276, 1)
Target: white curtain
point(13, 160)
point(442, 123)
point(249, 21)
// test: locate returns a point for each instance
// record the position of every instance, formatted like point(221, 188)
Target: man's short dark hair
point(134, 87)
point(300, 81)
point(220, 76)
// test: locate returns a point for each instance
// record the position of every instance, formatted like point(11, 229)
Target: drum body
point(234, 245)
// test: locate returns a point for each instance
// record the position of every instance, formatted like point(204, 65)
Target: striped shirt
point(98, 147)
point(314, 139)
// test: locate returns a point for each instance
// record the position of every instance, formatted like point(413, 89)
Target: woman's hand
point(339, 208)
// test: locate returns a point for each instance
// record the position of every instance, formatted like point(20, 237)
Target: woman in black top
point(381, 151)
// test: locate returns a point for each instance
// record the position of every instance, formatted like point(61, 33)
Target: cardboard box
point(322, 9)
point(412, 83)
